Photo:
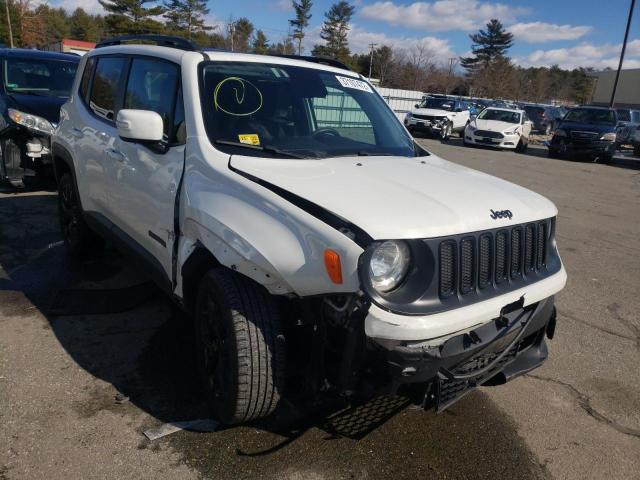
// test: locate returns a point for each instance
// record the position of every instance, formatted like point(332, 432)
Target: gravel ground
point(76, 334)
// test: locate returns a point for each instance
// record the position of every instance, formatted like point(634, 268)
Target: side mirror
point(140, 125)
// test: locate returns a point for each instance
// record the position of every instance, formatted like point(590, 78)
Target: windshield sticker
point(249, 138)
point(353, 83)
point(237, 96)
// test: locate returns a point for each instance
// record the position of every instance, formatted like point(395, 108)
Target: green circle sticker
point(237, 96)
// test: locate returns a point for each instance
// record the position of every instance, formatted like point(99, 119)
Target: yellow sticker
point(249, 138)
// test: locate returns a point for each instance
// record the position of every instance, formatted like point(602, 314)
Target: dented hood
point(400, 197)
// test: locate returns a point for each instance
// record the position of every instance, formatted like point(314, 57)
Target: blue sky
point(567, 32)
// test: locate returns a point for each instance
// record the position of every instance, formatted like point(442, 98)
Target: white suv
point(438, 115)
point(320, 251)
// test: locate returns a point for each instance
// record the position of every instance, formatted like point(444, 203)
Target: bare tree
point(420, 59)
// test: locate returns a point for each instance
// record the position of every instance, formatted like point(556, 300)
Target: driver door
point(146, 177)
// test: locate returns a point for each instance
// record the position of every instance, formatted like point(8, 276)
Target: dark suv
point(586, 131)
point(544, 117)
point(34, 86)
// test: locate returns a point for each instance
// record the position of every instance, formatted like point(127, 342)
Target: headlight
point(32, 122)
point(389, 265)
point(559, 133)
point(609, 137)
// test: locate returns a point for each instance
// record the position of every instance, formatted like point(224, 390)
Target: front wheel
point(445, 132)
point(240, 347)
point(522, 146)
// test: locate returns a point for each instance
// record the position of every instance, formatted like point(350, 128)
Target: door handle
point(116, 155)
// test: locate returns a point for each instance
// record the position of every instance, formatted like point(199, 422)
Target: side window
point(86, 78)
point(104, 89)
point(153, 85)
point(340, 111)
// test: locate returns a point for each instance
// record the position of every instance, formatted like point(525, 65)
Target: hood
point(401, 197)
point(586, 127)
point(494, 125)
point(430, 111)
point(46, 107)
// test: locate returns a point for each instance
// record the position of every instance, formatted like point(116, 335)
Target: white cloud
point(282, 5)
point(360, 38)
point(89, 6)
point(441, 15)
point(540, 32)
point(585, 55)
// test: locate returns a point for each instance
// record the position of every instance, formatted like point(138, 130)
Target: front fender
point(253, 230)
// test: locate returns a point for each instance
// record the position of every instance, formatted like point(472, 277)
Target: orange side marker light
point(332, 264)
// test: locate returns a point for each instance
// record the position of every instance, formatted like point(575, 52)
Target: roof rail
point(160, 40)
point(332, 62)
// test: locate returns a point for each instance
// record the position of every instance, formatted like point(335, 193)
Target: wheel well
point(60, 166)
point(197, 265)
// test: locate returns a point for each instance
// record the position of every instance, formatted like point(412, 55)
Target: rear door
point(147, 176)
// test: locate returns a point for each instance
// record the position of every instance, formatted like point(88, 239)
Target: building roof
point(78, 43)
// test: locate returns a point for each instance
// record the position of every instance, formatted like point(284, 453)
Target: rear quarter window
point(87, 74)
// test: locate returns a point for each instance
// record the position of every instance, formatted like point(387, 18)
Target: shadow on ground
point(117, 327)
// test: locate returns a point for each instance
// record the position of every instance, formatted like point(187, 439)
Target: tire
point(521, 147)
point(445, 132)
point(240, 348)
point(606, 159)
point(551, 153)
point(11, 159)
point(77, 236)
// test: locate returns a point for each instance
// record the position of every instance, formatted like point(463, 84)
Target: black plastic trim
point(160, 40)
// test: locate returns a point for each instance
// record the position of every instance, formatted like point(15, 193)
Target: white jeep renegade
point(320, 251)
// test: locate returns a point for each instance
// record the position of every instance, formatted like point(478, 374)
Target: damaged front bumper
point(493, 353)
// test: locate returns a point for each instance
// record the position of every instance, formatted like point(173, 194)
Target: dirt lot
point(75, 334)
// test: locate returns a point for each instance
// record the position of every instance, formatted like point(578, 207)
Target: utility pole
point(6, 6)
point(451, 60)
point(624, 48)
point(232, 28)
point(371, 46)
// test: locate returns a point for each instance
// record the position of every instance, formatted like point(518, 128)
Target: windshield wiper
point(260, 148)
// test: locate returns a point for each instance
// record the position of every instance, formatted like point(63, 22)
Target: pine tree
point(242, 31)
point(302, 10)
point(84, 26)
point(186, 16)
point(260, 43)
point(334, 32)
point(131, 16)
point(488, 45)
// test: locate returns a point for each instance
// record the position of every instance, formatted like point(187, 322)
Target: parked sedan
point(585, 131)
point(499, 127)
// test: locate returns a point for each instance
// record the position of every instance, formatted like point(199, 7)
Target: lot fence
point(338, 110)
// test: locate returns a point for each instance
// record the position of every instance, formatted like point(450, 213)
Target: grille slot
point(467, 265)
point(484, 261)
point(541, 245)
point(501, 256)
point(516, 252)
point(529, 251)
point(447, 268)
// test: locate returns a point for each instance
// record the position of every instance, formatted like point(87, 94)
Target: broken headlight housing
point(32, 122)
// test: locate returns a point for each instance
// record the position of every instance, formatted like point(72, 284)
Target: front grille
point(475, 262)
point(488, 134)
point(580, 135)
point(427, 117)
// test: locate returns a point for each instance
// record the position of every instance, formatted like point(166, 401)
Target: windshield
point(39, 76)
point(591, 115)
point(288, 111)
point(438, 104)
point(499, 115)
